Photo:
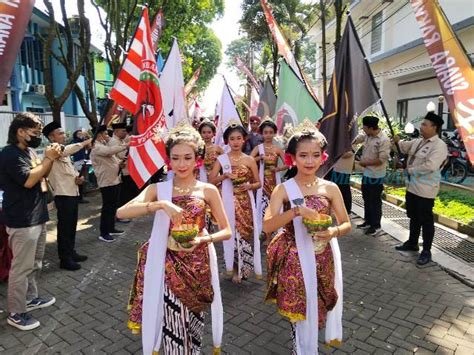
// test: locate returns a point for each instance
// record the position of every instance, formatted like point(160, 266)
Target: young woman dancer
point(267, 156)
point(239, 177)
point(207, 130)
point(305, 284)
point(173, 284)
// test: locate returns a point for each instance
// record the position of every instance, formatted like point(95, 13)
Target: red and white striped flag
point(137, 90)
point(192, 82)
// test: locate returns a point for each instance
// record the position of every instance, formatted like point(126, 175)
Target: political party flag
point(267, 101)
point(294, 102)
point(158, 24)
point(225, 113)
point(137, 89)
point(351, 92)
point(172, 88)
point(452, 67)
point(14, 17)
point(192, 82)
point(246, 71)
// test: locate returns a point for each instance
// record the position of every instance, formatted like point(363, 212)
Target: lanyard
point(412, 157)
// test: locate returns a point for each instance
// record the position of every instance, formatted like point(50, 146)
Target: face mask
point(34, 142)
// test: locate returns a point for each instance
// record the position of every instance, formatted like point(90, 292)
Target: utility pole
point(323, 46)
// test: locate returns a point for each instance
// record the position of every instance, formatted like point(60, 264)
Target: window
point(402, 111)
point(376, 40)
point(5, 100)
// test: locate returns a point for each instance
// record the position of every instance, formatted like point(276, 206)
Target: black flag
point(352, 90)
point(266, 106)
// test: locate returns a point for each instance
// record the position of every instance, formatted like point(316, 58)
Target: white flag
point(226, 112)
point(172, 89)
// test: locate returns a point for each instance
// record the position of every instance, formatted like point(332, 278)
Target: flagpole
point(372, 79)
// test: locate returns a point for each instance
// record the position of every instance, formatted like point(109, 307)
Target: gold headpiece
point(232, 123)
point(307, 127)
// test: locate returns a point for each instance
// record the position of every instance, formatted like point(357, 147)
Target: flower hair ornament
point(232, 123)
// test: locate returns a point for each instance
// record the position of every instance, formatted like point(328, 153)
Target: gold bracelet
point(212, 240)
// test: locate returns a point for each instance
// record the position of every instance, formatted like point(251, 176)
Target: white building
point(393, 44)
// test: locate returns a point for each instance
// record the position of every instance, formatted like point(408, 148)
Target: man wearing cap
point(64, 180)
point(106, 167)
point(254, 138)
point(128, 188)
point(374, 161)
point(426, 156)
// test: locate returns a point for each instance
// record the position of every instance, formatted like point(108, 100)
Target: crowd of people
point(236, 195)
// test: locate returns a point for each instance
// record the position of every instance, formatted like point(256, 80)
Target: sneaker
point(124, 221)
point(69, 265)
point(40, 302)
point(78, 258)
point(373, 231)
point(22, 321)
point(107, 238)
point(363, 225)
point(406, 247)
point(424, 258)
point(116, 232)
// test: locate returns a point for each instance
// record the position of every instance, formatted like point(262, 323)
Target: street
point(390, 304)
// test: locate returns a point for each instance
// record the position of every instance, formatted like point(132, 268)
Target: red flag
point(14, 17)
point(157, 29)
point(137, 90)
point(246, 71)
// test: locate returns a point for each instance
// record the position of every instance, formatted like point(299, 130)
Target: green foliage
point(453, 204)
point(186, 20)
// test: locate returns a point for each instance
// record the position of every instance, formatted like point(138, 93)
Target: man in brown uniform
point(106, 167)
point(65, 181)
point(426, 156)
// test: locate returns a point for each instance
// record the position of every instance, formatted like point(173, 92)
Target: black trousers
point(420, 212)
point(343, 181)
point(128, 190)
point(372, 194)
point(110, 198)
point(67, 207)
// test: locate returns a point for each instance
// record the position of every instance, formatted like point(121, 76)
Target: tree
point(72, 40)
point(185, 19)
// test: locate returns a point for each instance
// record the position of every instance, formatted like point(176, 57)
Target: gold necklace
point(183, 190)
point(311, 184)
point(236, 160)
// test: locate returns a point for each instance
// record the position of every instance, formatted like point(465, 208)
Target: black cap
point(50, 127)
point(102, 128)
point(121, 125)
point(370, 121)
point(433, 117)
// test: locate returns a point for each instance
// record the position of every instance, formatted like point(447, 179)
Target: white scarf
point(154, 281)
point(228, 200)
point(307, 330)
point(261, 170)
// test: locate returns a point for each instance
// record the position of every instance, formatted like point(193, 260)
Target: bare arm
point(255, 154)
point(273, 219)
point(214, 201)
point(214, 176)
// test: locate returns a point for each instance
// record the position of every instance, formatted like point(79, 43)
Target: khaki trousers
point(27, 245)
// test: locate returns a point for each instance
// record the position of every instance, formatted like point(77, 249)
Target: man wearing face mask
point(65, 181)
point(106, 167)
point(22, 177)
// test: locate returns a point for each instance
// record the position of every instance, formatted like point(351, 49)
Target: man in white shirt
point(426, 157)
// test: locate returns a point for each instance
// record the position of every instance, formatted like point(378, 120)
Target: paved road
point(390, 304)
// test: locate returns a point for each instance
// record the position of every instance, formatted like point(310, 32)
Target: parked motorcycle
point(455, 169)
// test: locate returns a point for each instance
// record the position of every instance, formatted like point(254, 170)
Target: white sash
point(228, 200)
point(307, 330)
point(261, 170)
point(202, 174)
point(154, 281)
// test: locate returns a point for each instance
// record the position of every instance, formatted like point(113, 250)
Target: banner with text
point(14, 17)
point(452, 67)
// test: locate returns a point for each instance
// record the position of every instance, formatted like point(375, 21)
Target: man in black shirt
point(22, 177)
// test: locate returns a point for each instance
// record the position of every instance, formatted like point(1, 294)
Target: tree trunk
point(323, 47)
point(339, 12)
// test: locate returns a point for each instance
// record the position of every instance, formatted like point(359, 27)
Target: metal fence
point(70, 123)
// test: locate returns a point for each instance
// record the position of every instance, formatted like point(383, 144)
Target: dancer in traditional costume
point(239, 177)
point(267, 155)
point(176, 281)
point(304, 267)
point(207, 130)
